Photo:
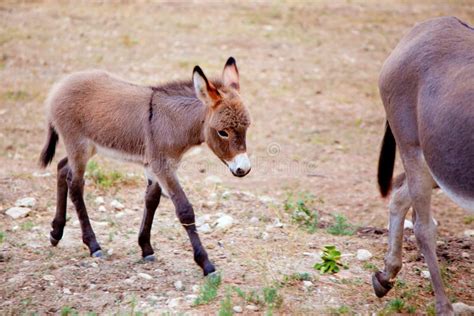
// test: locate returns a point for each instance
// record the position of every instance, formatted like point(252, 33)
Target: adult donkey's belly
point(446, 130)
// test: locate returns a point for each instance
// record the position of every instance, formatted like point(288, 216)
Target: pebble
point(191, 298)
point(179, 285)
point(117, 205)
point(469, 233)
point(237, 309)
point(363, 255)
point(226, 194)
point(213, 179)
point(465, 255)
point(195, 288)
point(205, 228)
point(408, 224)
point(174, 302)
point(266, 199)
point(99, 200)
point(67, 291)
point(102, 209)
point(277, 223)
point(145, 276)
point(425, 274)
point(224, 222)
point(254, 220)
point(41, 175)
point(307, 284)
point(26, 202)
point(251, 307)
point(201, 220)
point(18, 212)
point(463, 309)
point(49, 277)
point(110, 251)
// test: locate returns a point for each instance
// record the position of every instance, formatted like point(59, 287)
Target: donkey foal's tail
point(49, 148)
point(386, 161)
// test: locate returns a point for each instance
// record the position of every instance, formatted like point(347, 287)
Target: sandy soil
point(308, 74)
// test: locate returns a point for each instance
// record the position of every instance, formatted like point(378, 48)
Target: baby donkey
point(92, 111)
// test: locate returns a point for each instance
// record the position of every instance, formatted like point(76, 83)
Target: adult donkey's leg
point(61, 204)
point(75, 181)
point(152, 200)
point(185, 213)
point(420, 184)
point(399, 206)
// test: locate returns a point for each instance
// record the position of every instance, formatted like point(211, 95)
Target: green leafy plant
point(208, 291)
point(68, 311)
point(396, 305)
point(302, 214)
point(267, 297)
point(331, 260)
point(341, 227)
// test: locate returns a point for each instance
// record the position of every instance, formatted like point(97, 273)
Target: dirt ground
point(309, 77)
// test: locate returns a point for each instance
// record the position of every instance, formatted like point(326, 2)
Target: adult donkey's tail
point(386, 161)
point(49, 148)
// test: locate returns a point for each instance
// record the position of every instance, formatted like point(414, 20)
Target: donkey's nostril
point(240, 171)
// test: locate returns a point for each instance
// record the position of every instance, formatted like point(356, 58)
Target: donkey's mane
point(181, 88)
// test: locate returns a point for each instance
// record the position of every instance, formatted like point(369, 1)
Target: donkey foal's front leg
point(59, 220)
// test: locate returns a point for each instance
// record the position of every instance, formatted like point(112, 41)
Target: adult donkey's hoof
point(381, 287)
point(53, 241)
point(149, 258)
point(97, 254)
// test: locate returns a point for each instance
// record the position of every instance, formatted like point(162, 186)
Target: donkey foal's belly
point(117, 154)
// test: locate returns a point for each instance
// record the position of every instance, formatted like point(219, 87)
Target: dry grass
point(309, 73)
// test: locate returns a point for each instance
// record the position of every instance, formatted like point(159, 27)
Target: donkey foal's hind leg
point(75, 182)
point(399, 205)
point(152, 200)
point(59, 220)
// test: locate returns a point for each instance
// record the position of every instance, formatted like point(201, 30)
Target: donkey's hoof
point(149, 258)
point(209, 269)
point(381, 287)
point(53, 241)
point(97, 254)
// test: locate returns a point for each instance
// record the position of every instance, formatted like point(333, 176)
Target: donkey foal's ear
point(204, 89)
point(230, 75)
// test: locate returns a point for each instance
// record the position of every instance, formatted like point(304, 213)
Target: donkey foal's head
point(227, 120)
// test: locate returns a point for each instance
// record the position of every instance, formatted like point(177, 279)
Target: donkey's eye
point(223, 134)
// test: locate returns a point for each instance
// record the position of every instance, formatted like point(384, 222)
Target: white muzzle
point(240, 165)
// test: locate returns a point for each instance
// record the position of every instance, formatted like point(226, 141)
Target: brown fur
point(154, 126)
point(427, 87)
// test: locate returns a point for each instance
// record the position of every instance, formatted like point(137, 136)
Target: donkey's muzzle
point(240, 165)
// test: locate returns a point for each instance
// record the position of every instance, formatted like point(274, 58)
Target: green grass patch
point(341, 310)
point(226, 305)
point(208, 291)
point(301, 211)
point(28, 225)
point(17, 95)
point(101, 178)
point(341, 227)
point(369, 267)
point(2, 237)
point(69, 311)
point(267, 297)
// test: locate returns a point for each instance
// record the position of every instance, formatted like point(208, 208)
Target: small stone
point(277, 223)
point(67, 291)
point(117, 205)
point(469, 233)
point(251, 307)
point(224, 222)
point(363, 255)
point(254, 220)
point(202, 219)
point(307, 284)
point(49, 277)
point(191, 298)
point(465, 255)
point(174, 302)
point(26, 202)
point(205, 229)
point(266, 199)
point(408, 224)
point(265, 236)
point(213, 179)
point(110, 251)
point(425, 274)
point(99, 200)
point(237, 309)
point(18, 212)
point(226, 194)
point(463, 309)
point(102, 209)
point(179, 285)
point(439, 243)
point(195, 288)
point(41, 175)
point(145, 276)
